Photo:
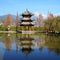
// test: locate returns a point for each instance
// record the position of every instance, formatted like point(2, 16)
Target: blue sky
point(39, 6)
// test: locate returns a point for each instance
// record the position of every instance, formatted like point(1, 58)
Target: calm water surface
point(29, 47)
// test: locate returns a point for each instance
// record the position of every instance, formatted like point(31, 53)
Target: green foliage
point(2, 28)
point(12, 28)
point(36, 28)
point(40, 28)
point(53, 24)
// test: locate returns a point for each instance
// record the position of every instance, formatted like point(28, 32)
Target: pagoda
point(26, 23)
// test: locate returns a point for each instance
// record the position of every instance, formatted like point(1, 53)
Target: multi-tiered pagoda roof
point(26, 19)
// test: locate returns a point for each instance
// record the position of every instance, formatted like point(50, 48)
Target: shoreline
point(7, 31)
point(29, 32)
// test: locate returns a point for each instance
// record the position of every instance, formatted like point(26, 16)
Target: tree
point(56, 23)
point(40, 20)
point(48, 23)
point(7, 21)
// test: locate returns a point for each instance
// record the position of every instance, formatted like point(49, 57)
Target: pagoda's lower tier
point(27, 27)
point(28, 32)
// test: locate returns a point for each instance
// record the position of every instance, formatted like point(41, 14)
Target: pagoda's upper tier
point(27, 13)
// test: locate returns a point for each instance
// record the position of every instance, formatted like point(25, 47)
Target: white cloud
point(57, 14)
point(37, 14)
point(45, 16)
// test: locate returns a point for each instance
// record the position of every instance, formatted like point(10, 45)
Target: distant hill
point(2, 18)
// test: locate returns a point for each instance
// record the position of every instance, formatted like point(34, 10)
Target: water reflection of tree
point(40, 42)
point(17, 44)
point(7, 42)
point(53, 43)
point(17, 41)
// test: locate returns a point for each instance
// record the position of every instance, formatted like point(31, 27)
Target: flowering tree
point(39, 20)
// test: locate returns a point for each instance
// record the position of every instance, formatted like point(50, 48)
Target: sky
point(35, 6)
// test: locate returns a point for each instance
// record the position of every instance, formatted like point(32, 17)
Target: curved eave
point(26, 14)
point(27, 50)
point(29, 44)
point(25, 39)
point(26, 20)
point(26, 25)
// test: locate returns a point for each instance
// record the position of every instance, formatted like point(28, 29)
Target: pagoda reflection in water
point(26, 43)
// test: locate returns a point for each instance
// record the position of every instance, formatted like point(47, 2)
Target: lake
point(29, 46)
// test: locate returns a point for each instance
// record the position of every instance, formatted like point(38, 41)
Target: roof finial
point(26, 9)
